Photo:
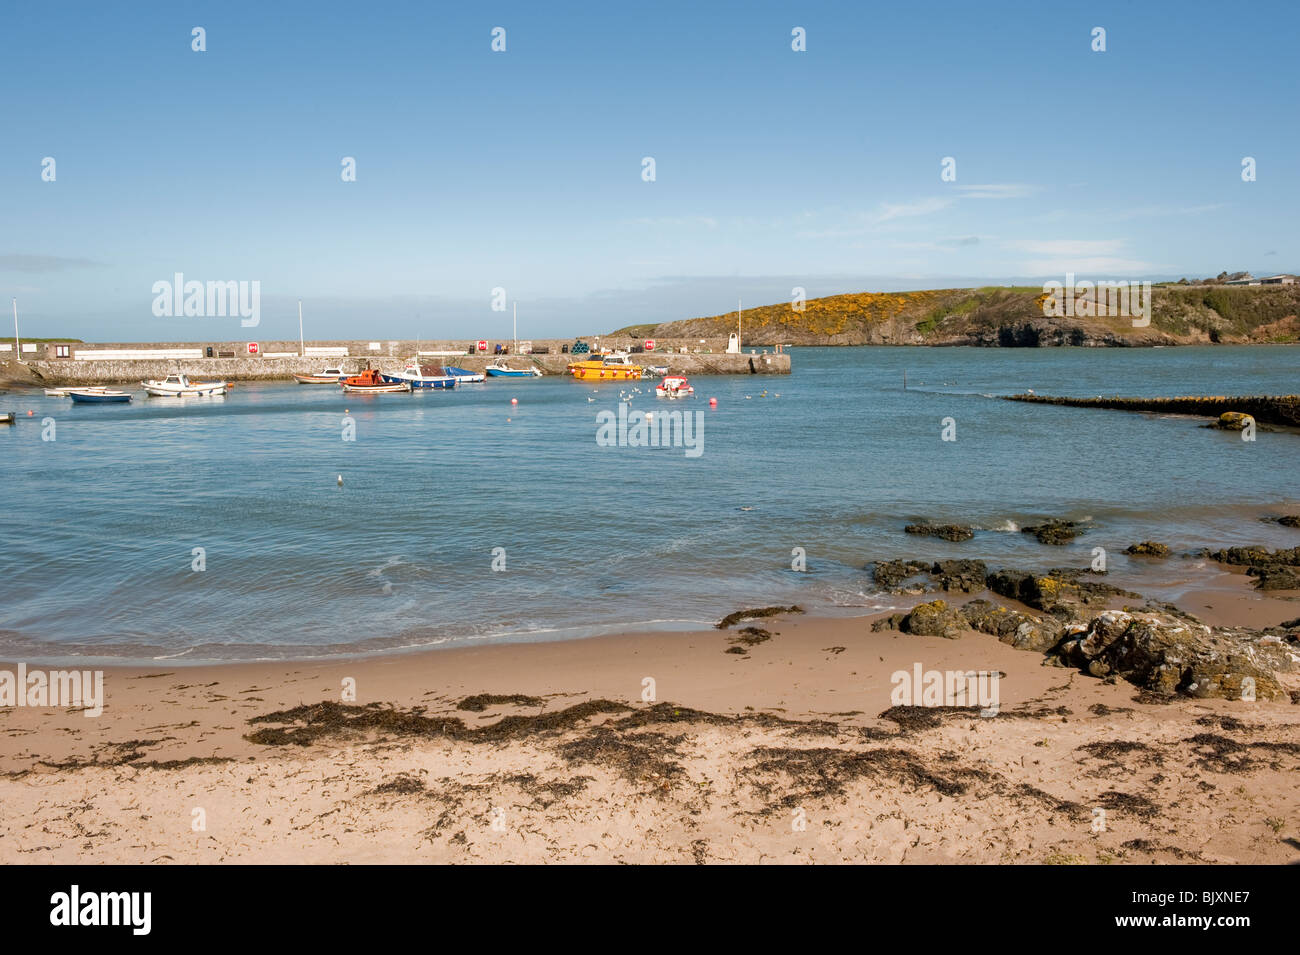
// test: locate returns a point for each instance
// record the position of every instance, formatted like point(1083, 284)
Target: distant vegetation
point(997, 315)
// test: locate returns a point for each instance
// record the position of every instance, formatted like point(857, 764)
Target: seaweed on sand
point(339, 720)
point(822, 772)
point(638, 757)
point(734, 618)
point(1115, 753)
point(480, 702)
point(911, 718)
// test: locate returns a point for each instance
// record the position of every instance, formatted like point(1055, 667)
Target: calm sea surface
point(99, 526)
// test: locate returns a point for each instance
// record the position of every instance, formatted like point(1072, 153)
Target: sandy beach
point(657, 748)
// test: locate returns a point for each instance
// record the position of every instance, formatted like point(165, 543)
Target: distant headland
point(1226, 310)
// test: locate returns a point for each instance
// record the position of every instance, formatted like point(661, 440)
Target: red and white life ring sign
point(252, 348)
point(649, 344)
point(482, 346)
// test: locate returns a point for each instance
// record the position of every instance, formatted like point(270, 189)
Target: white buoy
point(340, 480)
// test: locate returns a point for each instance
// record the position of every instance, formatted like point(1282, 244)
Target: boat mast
point(515, 350)
point(302, 345)
point(739, 312)
point(18, 348)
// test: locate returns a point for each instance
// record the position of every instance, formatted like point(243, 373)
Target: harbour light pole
point(302, 345)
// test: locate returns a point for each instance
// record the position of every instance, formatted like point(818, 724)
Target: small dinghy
point(674, 386)
point(371, 382)
point(330, 376)
point(97, 396)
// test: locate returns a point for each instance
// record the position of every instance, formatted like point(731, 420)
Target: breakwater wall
point(1265, 409)
point(107, 364)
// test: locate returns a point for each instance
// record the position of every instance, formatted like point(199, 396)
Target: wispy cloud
point(1159, 211)
point(1097, 257)
point(1004, 190)
point(17, 262)
point(905, 210)
point(677, 222)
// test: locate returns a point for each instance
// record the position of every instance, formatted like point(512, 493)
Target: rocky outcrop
point(1054, 531)
point(1233, 421)
point(948, 532)
point(1272, 569)
point(892, 575)
point(1147, 549)
point(1021, 630)
point(918, 576)
point(1063, 593)
point(1167, 654)
point(1254, 556)
point(1265, 409)
point(933, 619)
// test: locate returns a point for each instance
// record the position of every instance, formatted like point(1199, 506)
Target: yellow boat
point(616, 367)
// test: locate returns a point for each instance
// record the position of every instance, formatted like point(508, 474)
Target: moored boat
point(330, 376)
point(499, 369)
point(463, 375)
point(372, 382)
point(95, 396)
point(180, 386)
point(64, 392)
point(420, 376)
point(674, 386)
point(615, 367)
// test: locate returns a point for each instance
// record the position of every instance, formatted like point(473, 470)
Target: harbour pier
point(76, 363)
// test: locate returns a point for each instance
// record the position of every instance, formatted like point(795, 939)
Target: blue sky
point(523, 169)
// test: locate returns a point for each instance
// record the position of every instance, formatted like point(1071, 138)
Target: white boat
point(420, 376)
point(674, 386)
point(499, 369)
point(180, 386)
point(330, 376)
point(65, 392)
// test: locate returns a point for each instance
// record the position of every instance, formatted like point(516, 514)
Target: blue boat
point(499, 369)
point(420, 376)
point(97, 396)
point(464, 375)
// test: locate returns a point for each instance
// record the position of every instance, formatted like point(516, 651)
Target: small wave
point(1006, 527)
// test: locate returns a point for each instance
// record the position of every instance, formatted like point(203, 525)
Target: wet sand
point(788, 752)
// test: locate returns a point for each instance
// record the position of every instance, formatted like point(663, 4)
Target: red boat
point(371, 382)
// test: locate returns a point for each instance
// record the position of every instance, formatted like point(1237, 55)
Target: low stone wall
point(1266, 409)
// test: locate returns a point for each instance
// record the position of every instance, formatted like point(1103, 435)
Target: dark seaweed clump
point(734, 618)
point(479, 703)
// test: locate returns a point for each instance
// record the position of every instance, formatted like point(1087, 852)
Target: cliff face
point(1009, 317)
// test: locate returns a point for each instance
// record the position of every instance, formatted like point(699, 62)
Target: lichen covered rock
point(1147, 549)
point(1167, 655)
point(1021, 630)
